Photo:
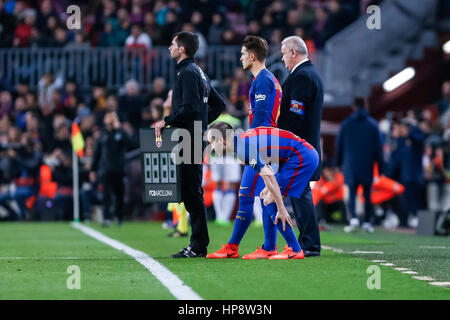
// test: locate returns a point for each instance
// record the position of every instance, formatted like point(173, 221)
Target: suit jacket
point(301, 107)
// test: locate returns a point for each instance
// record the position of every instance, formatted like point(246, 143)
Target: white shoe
point(367, 227)
point(413, 221)
point(391, 221)
point(354, 223)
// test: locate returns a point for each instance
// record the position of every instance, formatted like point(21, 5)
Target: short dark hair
point(188, 40)
point(222, 127)
point(257, 45)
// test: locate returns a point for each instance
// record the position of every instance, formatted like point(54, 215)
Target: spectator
point(6, 104)
point(138, 38)
point(7, 27)
point(20, 109)
point(113, 35)
point(46, 86)
point(229, 37)
point(216, 29)
point(124, 20)
point(45, 11)
point(131, 103)
point(159, 89)
point(267, 26)
point(339, 17)
point(170, 26)
point(240, 88)
point(22, 34)
point(88, 189)
point(306, 14)
point(136, 15)
point(152, 29)
point(254, 28)
point(62, 174)
point(198, 23)
point(24, 168)
point(443, 103)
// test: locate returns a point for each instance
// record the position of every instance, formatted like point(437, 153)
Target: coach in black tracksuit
point(194, 104)
point(301, 113)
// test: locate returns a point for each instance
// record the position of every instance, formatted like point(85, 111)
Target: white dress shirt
point(304, 60)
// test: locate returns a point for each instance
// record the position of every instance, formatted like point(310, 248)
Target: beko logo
point(260, 97)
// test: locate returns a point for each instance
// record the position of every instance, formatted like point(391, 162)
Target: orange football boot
point(260, 253)
point(288, 253)
point(229, 250)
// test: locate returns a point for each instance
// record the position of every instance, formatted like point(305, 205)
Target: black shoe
point(177, 234)
point(188, 252)
point(311, 253)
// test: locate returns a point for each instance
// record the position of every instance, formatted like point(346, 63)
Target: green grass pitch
point(34, 258)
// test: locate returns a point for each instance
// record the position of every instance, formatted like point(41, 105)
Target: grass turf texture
point(49, 248)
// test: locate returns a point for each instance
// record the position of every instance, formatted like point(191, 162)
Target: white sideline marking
point(402, 270)
point(409, 272)
point(367, 252)
point(352, 252)
point(387, 264)
point(176, 287)
point(424, 278)
point(440, 284)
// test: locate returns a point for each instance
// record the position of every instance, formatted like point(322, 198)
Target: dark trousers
point(411, 197)
point(306, 218)
point(368, 206)
point(192, 196)
point(332, 212)
point(113, 185)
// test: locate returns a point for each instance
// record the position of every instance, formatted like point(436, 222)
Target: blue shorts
point(295, 174)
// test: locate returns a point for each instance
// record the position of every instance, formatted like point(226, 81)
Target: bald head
point(294, 50)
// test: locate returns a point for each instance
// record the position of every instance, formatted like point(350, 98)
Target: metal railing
point(113, 66)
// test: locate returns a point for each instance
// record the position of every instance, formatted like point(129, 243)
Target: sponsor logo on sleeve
point(260, 97)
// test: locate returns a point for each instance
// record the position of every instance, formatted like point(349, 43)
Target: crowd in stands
point(147, 23)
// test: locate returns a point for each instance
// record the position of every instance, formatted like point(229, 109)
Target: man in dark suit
point(301, 113)
point(359, 147)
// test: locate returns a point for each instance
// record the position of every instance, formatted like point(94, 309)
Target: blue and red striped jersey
point(264, 100)
point(263, 145)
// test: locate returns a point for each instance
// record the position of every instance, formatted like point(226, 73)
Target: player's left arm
point(271, 183)
point(300, 94)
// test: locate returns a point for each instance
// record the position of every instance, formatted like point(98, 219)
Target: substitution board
point(160, 173)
